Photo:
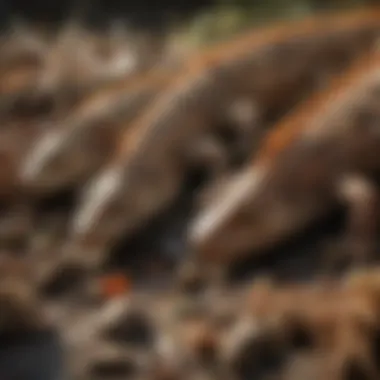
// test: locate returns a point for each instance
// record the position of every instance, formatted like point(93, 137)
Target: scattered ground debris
point(168, 213)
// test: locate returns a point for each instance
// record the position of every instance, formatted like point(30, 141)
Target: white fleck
point(236, 192)
point(123, 63)
point(165, 347)
point(40, 154)
point(96, 196)
point(244, 112)
point(353, 187)
point(246, 328)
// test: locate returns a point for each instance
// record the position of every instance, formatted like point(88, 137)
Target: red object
point(115, 284)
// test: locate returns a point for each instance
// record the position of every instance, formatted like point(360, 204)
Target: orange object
point(114, 284)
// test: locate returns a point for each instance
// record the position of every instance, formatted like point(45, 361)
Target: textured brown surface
point(141, 307)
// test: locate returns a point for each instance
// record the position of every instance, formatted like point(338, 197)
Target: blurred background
point(33, 351)
point(157, 15)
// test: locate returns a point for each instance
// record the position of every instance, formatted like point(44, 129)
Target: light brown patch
point(294, 124)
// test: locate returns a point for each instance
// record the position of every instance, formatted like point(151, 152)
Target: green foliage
point(233, 16)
